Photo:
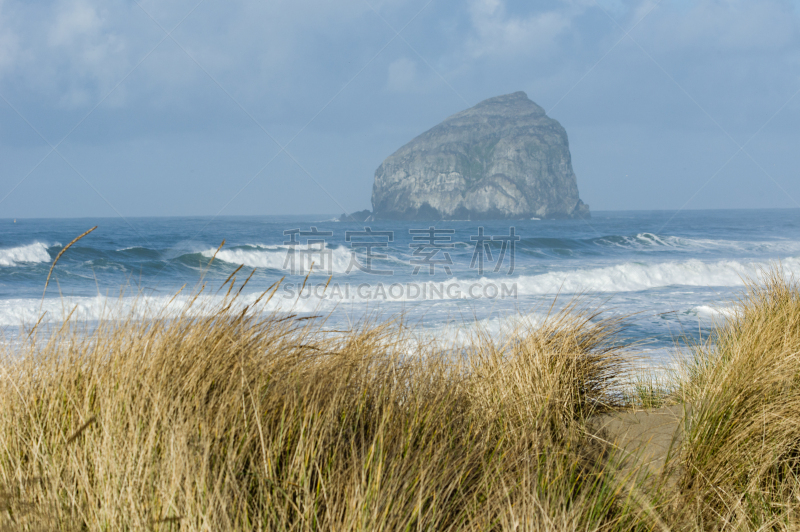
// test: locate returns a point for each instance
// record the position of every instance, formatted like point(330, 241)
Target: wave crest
point(635, 276)
point(36, 252)
point(336, 260)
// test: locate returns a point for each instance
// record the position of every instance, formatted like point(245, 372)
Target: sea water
point(673, 273)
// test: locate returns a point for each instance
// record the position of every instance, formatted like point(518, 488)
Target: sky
point(244, 107)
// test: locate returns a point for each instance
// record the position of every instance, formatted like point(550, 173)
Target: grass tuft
point(219, 419)
point(232, 418)
point(742, 458)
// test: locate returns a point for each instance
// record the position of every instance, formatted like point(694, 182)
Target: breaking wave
point(15, 312)
point(635, 276)
point(333, 260)
point(650, 241)
point(36, 252)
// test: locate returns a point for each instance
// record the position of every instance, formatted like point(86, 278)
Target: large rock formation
point(503, 158)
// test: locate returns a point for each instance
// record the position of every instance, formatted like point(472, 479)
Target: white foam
point(637, 276)
point(36, 252)
point(330, 260)
point(461, 332)
point(16, 312)
point(714, 312)
point(626, 277)
point(645, 241)
point(786, 247)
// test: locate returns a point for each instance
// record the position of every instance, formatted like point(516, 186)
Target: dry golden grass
point(224, 418)
point(235, 420)
point(742, 459)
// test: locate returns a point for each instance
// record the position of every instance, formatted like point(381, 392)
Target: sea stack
point(502, 159)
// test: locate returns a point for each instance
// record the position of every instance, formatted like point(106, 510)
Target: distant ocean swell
point(652, 242)
point(274, 256)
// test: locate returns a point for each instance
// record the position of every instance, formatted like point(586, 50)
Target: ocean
point(673, 273)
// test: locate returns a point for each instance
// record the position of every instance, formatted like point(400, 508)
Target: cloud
point(90, 52)
point(285, 60)
point(68, 50)
point(71, 53)
point(75, 21)
point(9, 48)
point(498, 33)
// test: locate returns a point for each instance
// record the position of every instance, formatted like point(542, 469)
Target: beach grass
point(226, 417)
point(742, 458)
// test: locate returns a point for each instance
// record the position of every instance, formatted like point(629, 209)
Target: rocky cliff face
point(503, 158)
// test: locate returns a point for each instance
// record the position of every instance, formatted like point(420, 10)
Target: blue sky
point(187, 107)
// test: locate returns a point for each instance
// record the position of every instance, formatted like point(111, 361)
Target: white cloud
point(73, 52)
point(9, 48)
point(9, 41)
point(93, 54)
point(75, 21)
point(67, 51)
point(498, 33)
